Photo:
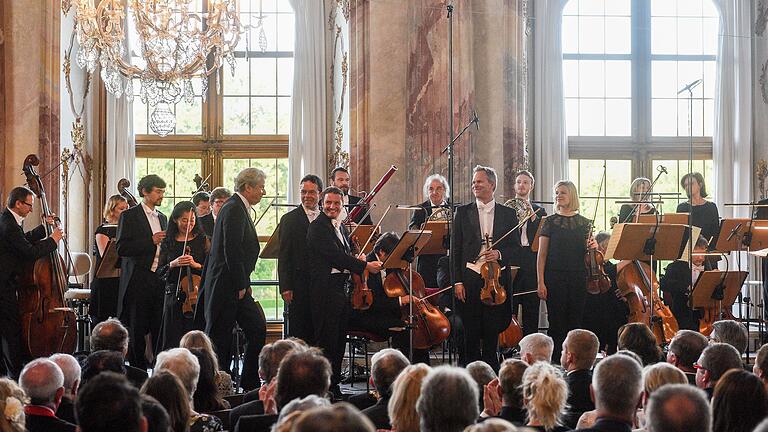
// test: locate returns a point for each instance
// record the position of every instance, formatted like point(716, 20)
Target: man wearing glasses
point(16, 249)
point(713, 363)
point(219, 196)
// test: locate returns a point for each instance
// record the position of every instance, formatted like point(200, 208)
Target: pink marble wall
point(2, 101)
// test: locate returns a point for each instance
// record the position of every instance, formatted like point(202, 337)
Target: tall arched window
point(623, 64)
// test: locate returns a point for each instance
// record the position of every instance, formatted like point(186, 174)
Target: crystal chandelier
point(176, 43)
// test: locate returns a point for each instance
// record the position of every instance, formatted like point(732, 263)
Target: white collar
point(148, 210)
point(490, 206)
point(245, 201)
point(19, 219)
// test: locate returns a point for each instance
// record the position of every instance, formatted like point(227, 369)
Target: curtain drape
point(120, 154)
point(307, 146)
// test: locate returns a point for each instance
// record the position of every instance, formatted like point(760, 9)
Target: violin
point(122, 188)
point(493, 293)
point(598, 281)
point(430, 326)
point(187, 289)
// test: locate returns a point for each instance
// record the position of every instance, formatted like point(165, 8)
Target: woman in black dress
point(560, 265)
point(638, 191)
point(178, 264)
point(103, 302)
point(704, 214)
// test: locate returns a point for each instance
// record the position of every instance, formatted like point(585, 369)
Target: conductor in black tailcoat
point(435, 190)
point(16, 249)
point(330, 264)
point(472, 222)
point(340, 179)
point(227, 287)
point(292, 263)
point(140, 296)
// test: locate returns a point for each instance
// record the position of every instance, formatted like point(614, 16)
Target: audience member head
point(340, 417)
point(180, 362)
point(301, 374)
point(482, 373)
point(714, 362)
point(510, 382)
point(109, 403)
point(71, 370)
point(271, 356)
point(638, 338)
point(43, 381)
point(761, 364)
point(536, 347)
point(290, 412)
point(678, 408)
point(616, 386)
point(169, 391)
point(102, 361)
point(659, 374)
point(630, 354)
point(492, 424)
point(448, 401)
point(206, 397)
point(545, 394)
point(386, 365)
point(12, 400)
point(110, 335)
point(405, 393)
point(685, 348)
point(731, 332)
point(579, 350)
point(155, 413)
point(739, 402)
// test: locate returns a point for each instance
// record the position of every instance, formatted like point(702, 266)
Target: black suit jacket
point(378, 414)
point(359, 219)
point(426, 264)
point(247, 409)
point(48, 424)
point(207, 222)
point(134, 246)
point(66, 411)
point(234, 252)
point(18, 247)
point(604, 424)
point(292, 263)
point(136, 376)
point(255, 423)
point(579, 400)
point(530, 231)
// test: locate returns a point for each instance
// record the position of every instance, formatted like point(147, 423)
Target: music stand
point(743, 228)
point(109, 266)
point(362, 233)
point(272, 248)
point(667, 218)
point(436, 245)
point(717, 288)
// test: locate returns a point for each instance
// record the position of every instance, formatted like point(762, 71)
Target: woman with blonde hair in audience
point(12, 400)
point(198, 339)
point(405, 392)
point(655, 376)
point(545, 394)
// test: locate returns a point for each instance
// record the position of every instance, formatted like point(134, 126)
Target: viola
point(492, 293)
point(362, 296)
point(122, 187)
point(598, 281)
point(188, 289)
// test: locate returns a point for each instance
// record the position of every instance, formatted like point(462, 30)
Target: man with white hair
point(183, 364)
point(227, 288)
point(616, 388)
point(448, 401)
point(536, 347)
point(43, 382)
point(71, 370)
point(386, 365)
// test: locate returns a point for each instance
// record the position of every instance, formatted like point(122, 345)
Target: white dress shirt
point(311, 214)
point(344, 202)
point(19, 219)
point(154, 222)
point(337, 228)
point(485, 213)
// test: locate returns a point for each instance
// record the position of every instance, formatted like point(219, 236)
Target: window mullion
point(641, 69)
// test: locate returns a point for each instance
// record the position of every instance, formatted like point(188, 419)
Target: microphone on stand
point(690, 86)
point(662, 168)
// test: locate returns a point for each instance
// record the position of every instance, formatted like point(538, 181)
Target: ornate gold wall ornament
point(762, 174)
point(764, 82)
point(762, 18)
point(65, 6)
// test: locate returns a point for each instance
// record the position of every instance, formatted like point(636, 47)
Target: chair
point(234, 399)
point(222, 415)
point(79, 297)
point(361, 338)
point(256, 423)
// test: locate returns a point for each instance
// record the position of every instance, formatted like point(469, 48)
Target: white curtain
point(732, 138)
point(306, 142)
point(550, 144)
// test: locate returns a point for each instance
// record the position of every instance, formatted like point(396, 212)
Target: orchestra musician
point(202, 201)
point(227, 286)
point(292, 263)
point(472, 223)
point(103, 302)
point(524, 257)
point(184, 248)
point(218, 197)
point(16, 249)
point(561, 271)
point(704, 214)
point(330, 265)
point(140, 297)
point(638, 191)
point(340, 179)
point(677, 283)
point(435, 190)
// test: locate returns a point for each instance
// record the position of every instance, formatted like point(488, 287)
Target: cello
point(47, 325)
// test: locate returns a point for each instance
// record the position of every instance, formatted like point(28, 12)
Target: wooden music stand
point(758, 229)
point(628, 240)
point(710, 281)
point(667, 218)
point(363, 233)
point(109, 266)
point(436, 246)
point(272, 248)
point(417, 238)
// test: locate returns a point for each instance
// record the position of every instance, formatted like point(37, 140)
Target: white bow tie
point(486, 207)
point(336, 223)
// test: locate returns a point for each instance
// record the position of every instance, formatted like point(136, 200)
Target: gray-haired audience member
point(678, 408)
point(684, 349)
point(182, 363)
point(71, 370)
point(43, 382)
point(448, 401)
point(386, 365)
point(297, 406)
point(716, 359)
point(731, 332)
point(340, 417)
point(108, 403)
point(482, 373)
point(302, 373)
point(617, 384)
point(536, 347)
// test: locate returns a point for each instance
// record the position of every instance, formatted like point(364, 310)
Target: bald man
point(43, 382)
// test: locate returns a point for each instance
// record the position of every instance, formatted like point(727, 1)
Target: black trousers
point(142, 314)
point(174, 324)
point(330, 332)
point(566, 295)
point(524, 282)
point(300, 317)
point(11, 362)
point(482, 324)
point(250, 316)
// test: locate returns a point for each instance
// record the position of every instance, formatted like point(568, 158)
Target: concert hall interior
point(434, 215)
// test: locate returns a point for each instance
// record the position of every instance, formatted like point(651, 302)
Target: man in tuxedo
point(330, 264)
point(218, 197)
point(16, 249)
point(340, 179)
point(292, 263)
point(227, 287)
point(525, 258)
point(472, 223)
point(43, 382)
point(435, 190)
point(140, 296)
point(578, 355)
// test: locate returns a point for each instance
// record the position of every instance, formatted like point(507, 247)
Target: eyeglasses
point(698, 366)
point(29, 204)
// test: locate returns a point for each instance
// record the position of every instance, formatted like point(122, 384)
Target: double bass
point(122, 187)
point(47, 325)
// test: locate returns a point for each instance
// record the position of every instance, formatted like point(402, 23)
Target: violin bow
point(375, 228)
point(521, 223)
